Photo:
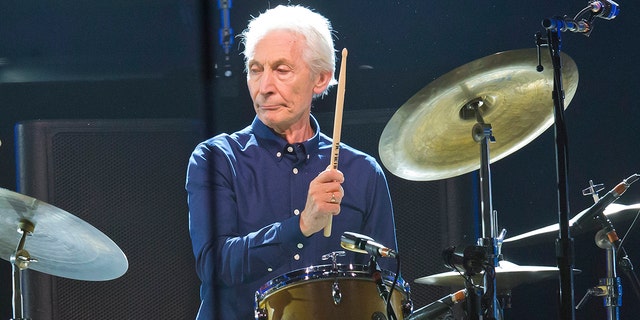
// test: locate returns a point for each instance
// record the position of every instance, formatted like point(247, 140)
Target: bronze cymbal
point(63, 244)
point(430, 136)
point(538, 234)
point(508, 276)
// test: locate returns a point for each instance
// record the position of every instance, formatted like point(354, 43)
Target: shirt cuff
point(291, 235)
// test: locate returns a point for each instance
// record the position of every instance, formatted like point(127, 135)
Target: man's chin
point(269, 118)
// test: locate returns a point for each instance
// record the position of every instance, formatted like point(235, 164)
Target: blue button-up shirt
point(245, 193)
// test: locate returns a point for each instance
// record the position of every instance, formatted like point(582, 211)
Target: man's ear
point(322, 81)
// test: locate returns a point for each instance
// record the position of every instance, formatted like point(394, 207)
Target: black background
point(153, 59)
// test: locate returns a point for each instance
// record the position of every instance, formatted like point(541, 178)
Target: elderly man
point(259, 198)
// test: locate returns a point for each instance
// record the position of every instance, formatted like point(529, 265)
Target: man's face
point(280, 81)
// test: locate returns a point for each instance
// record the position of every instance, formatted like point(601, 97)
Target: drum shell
point(308, 294)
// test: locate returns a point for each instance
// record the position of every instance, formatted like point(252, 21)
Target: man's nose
point(267, 82)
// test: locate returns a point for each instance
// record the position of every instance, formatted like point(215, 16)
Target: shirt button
point(295, 170)
point(279, 154)
point(297, 257)
point(269, 269)
point(300, 245)
point(289, 149)
point(296, 212)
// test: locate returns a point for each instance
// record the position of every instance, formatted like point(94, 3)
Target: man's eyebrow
point(273, 64)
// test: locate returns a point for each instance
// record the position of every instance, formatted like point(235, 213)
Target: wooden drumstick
point(337, 125)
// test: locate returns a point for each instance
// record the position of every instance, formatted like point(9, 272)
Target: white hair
point(319, 51)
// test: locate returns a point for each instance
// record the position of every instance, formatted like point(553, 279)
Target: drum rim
point(345, 271)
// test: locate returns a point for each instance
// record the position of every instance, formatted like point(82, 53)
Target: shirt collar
point(274, 143)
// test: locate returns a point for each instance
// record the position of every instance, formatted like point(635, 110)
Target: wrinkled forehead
point(276, 37)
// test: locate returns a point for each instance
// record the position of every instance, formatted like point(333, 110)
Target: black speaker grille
point(127, 182)
point(422, 234)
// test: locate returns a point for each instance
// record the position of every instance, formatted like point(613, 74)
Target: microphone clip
point(376, 275)
point(472, 260)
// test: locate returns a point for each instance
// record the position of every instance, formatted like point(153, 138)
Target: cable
point(390, 313)
point(628, 231)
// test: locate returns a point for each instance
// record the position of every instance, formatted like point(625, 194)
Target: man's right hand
point(323, 201)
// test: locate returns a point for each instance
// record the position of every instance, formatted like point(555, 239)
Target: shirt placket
point(298, 184)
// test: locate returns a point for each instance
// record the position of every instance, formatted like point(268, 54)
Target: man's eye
point(283, 70)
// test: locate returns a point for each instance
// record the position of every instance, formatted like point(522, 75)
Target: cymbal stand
point(20, 260)
point(482, 133)
point(609, 288)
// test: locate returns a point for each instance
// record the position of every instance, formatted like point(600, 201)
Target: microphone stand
point(610, 288)
point(624, 263)
point(621, 259)
point(564, 243)
point(384, 294)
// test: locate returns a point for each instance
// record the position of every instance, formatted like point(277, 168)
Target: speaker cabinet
point(126, 178)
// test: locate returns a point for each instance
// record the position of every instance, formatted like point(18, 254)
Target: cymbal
point(508, 276)
point(610, 210)
point(430, 136)
point(63, 244)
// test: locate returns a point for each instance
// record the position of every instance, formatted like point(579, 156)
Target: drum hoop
point(320, 272)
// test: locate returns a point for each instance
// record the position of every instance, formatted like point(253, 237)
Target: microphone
point(439, 307)
point(596, 211)
point(566, 24)
point(605, 9)
point(362, 244)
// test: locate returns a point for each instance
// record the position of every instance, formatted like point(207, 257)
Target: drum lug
point(407, 307)
point(261, 314)
point(336, 294)
point(334, 258)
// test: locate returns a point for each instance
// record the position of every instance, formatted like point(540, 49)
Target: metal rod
point(564, 243)
point(482, 133)
point(19, 261)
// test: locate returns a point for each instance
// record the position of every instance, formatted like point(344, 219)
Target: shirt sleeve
point(221, 253)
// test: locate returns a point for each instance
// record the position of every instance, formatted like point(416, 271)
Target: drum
point(331, 292)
